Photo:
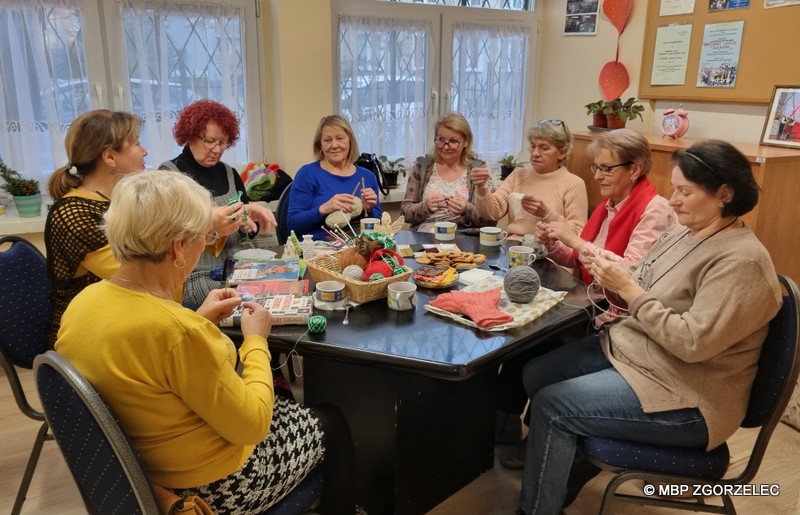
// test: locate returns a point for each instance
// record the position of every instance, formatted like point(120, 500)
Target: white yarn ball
point(354, 272)
point(521, 284)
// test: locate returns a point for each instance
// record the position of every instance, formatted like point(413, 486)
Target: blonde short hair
point(556, 132)
point(150, 210)
point(339, 121)
point(627, 145)
point(456, 122)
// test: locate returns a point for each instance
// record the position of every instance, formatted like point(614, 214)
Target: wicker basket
point(326, 268)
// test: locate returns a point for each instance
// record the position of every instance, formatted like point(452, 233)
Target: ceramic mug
point(329, 291)
point(369, 224)
point(444, 231)
point(520, 255)
point(492, 236)
point(402, 296)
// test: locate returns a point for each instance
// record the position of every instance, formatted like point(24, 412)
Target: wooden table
point(418, 390)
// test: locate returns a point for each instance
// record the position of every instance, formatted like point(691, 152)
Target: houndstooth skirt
point(292, 448)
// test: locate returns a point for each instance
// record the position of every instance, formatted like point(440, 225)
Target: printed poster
point(719, 55)
point(722, 5)
point(671, 55)
point(673, 7)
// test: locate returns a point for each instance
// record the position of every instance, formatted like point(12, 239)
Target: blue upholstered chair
point(282, 230)
point(24, 320)
point(114, 480)
point(775, 380)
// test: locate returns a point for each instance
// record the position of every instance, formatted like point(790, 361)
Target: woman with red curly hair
point(206, 129)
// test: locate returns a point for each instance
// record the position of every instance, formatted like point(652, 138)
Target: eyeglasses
point(449, 143)
point(210, 237)
point(211, 144)
point(553, 122)
point(607, 169)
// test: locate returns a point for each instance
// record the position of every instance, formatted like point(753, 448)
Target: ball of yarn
point(317, 324)
point(521, 284)
point(354, 272)
point(376, 277)
point(377, 267)
point(399, 269)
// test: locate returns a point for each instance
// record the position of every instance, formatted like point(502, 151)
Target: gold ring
point(232, 218)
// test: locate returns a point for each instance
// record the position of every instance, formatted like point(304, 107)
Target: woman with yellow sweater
point(169, 374)
point(546, 192)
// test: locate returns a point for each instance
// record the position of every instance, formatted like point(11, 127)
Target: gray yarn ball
point(521, 284)
point(354, 272)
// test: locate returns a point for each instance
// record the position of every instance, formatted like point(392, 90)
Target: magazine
point(289, 302)
point(273, 270)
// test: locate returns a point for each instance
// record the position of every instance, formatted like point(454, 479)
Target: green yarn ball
point(376, 277)
point(317, 324)
point(400, 269)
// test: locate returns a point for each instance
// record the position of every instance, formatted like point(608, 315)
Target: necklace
point(98, 192)
point(646, 269)
point(154, 294)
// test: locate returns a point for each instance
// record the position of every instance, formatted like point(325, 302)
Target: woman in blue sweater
point(332, 183)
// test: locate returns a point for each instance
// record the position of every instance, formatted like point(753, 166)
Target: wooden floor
point(496, 492)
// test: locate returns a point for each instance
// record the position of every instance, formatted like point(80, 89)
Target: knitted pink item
point(480, 306)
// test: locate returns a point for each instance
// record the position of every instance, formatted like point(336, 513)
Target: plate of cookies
point(452, 258)
point(435, 277)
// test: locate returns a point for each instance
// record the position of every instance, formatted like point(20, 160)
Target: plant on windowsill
point(392, 168)
point(618, 112)
point(507, 165)
point(595, 110)
point(26, 192)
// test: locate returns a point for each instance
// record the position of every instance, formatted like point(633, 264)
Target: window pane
point(509, 5)
point(383, 84)
point(176, 55)
point(44, 83)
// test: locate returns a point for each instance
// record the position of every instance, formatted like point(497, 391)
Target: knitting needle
point(363, 185)
point(358, 185)
point(348, 224)
point(334, 235)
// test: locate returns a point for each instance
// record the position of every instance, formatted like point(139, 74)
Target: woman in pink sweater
point(546, 191)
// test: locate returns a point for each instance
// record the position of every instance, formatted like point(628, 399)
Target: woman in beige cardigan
point(678, 369)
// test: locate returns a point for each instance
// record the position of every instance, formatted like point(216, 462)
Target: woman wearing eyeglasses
point(439, 188)
point(545, 192)
point(207, 129)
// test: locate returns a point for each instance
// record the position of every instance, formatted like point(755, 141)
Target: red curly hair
point(192, 121)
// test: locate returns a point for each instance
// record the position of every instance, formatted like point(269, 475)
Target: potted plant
point(618, 112)
point(392, 168)
point(595, 110)
point(507, 165)
point(26, 192)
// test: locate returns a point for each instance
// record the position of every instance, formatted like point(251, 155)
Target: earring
point(179, 263)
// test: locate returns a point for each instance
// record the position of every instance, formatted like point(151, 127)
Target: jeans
point(575, 392)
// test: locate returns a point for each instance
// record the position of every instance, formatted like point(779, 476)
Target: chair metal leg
point(32, 461)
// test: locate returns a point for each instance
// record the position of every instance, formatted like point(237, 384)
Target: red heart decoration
point(614, 79)
point(618, 11)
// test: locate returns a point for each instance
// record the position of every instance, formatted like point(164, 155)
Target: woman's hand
point(369, 198)
point(535, 206)
point(561, 231)
point(256, 320)
point(611, 275)
point(226, 219)
point(480, 176)
point(339, 202)
point(435, 202)
point(262, 215)
point(219, 304)
point(456, 205)
point(542, 235)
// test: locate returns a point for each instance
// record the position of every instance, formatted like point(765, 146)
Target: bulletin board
point(769, 53)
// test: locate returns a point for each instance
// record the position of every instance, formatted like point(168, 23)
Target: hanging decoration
point(614, 79)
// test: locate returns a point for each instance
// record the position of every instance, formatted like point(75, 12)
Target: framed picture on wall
point(580, 17)
point(782, 126)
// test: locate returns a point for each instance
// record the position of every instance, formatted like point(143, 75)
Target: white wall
point(569, 66)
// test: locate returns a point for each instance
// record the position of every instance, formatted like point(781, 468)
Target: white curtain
point(384, 83)
point(177, 53)
point(43, 71)
point(489, 64)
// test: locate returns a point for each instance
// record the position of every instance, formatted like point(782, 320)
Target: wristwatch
point(675, 122)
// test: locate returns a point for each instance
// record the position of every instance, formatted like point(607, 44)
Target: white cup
point(369, 224)
point(444, 231)
point(520, 255)
point(330, 291)
point(492, 236)
point(402, 296)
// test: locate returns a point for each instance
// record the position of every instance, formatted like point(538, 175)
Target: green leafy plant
point(593, 108)
point(15, 184)
point(395, 166)
point(510, 162)
point(627, 110)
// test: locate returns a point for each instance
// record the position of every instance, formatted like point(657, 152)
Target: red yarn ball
point(377, 267)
